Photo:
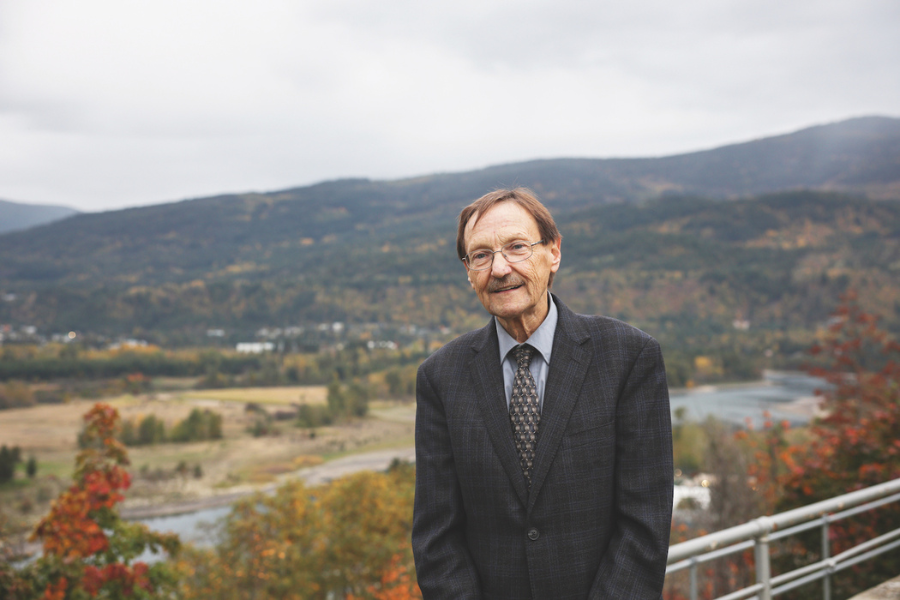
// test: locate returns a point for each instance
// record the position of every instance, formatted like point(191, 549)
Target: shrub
point(198, 426)
point(311, 416)
point(31, 467)
point(9, 457)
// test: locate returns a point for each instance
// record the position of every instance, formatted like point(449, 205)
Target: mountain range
point(16, 215)
point(750, 230)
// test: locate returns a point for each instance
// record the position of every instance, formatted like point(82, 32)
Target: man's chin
point(507, 309)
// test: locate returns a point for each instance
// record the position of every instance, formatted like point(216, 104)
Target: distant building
point(128, 343)
point(389, 345)
point(254, 347)
point(700, 495)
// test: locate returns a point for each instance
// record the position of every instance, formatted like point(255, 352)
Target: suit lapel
point(568, 367)
point(490, 395)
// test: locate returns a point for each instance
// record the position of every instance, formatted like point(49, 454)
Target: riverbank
point(378, 460)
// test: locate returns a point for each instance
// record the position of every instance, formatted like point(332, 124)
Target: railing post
point(826, 553)
point(763, 574)
point(694, 590)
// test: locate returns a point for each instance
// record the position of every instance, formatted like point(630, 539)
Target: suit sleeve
point(634, 564)
point(444, 567)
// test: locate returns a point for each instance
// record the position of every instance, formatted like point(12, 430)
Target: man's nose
point(500, 267)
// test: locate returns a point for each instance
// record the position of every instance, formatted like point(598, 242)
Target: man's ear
point(556, 253)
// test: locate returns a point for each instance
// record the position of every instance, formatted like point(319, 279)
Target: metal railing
point(759, 533)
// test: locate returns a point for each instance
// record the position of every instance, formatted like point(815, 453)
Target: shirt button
point(533, 534)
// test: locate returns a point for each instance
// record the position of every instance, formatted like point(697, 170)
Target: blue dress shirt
point(541, 340)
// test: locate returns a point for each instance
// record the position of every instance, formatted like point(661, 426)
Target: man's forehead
point(506, 219)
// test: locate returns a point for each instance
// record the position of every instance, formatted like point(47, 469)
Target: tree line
point(199, 425)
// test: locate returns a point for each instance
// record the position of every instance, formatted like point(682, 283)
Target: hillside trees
point(686, 263)
point(88, 550)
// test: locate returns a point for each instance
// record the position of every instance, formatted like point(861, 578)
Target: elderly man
point(543, 440)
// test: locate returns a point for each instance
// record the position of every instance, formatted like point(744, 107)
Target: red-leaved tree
point(88, 550)
point(854, 445)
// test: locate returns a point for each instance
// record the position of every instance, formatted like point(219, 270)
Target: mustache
point(505, 282)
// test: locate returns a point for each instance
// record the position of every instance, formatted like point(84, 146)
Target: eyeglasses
point(513, 252)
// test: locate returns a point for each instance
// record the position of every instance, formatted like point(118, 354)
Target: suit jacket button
point(533, 534)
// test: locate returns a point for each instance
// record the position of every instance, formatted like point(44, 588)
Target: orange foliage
point(349, 537)
point(773, 459)
point(396, 584)
point(128, 578)
point(56, 591)
point(71, 529)
point(855, 445)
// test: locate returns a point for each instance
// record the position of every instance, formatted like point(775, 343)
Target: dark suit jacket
point(595, 523)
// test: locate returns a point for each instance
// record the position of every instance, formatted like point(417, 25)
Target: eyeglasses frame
point(465, 258)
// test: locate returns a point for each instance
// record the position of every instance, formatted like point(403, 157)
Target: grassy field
point(265, 395)
point(49, 432)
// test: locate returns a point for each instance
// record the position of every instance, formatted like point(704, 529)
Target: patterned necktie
point(524, 412)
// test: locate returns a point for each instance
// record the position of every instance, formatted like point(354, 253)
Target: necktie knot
point(523, 356)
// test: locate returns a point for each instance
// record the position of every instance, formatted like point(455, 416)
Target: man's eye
point(480, 254)
point(517, 246)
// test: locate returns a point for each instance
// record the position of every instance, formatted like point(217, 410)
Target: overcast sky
point(113, 103)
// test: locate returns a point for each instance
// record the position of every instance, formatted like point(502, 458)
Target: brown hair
point(521, 196)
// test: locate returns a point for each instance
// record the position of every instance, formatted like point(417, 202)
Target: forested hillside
point(695, 269)
point(779, 260)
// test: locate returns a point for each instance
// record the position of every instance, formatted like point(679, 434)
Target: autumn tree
point(855, 444)
point(88, 550)
point(349, 538)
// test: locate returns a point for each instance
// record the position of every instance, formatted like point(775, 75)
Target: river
point(786, 396)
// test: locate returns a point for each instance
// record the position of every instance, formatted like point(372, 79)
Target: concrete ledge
point(889, 590)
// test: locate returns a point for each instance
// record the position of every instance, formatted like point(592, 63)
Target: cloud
point(105, 103)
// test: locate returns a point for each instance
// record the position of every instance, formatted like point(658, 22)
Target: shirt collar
point(541, 340)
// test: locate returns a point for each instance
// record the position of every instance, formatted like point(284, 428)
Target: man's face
point(511, 290)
